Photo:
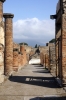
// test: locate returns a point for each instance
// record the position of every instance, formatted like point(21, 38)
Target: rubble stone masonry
point(1, 63)
point(52, 58)
point(15, 45)
point(64, 48)
point(23, 51)
point(1, 42)
point(19, 60)
point(8, 43)
point(15, 60)
point(1, 22)
point(61, 42)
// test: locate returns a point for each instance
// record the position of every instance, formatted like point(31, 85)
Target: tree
point(52, 41)
point(23, 43)
point(36, 46)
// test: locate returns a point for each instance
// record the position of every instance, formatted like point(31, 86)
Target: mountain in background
point(29, 42)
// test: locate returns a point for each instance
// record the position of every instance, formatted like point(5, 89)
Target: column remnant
point(8, 43)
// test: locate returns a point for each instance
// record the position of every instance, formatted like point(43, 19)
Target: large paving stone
point(30, 83)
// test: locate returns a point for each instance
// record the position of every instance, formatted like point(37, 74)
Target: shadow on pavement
point(41, 71)
point(38, 81)
point(49, 98)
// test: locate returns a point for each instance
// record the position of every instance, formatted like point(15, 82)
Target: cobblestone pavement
point(33, 82)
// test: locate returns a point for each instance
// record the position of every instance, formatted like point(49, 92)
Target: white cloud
point(34, 29)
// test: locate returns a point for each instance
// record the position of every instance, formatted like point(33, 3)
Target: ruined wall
point(19, 61)
point(15, 60)
point(50, 44)
point(61, 41)
point(1, 63)
point(52, 58)
point(15, 45)
point(24, 56)
point(44, 49)
point(32, 52)
point(44, 55)
point(42, 58)
point(2, 32)
point(1, 23)
point(1, 42)
point(64, 43)
point(28, 49)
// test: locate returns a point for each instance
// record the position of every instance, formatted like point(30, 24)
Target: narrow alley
point(30, 83)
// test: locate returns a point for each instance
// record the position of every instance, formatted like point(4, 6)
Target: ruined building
point(60, 35)
point(47, 56)
point(12, 56)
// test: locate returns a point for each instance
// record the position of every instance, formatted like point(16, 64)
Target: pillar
point(8, 43)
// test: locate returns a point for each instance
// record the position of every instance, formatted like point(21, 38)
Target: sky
point(31, 22)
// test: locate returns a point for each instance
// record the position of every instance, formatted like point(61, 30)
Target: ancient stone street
point(30, 83)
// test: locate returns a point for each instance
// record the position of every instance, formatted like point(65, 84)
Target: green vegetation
point(52, 41)
point(23, 43)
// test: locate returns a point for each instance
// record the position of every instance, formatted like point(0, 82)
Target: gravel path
point(33, 82)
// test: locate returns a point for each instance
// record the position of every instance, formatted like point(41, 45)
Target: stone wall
point(2, 33)
point(24, 55)
point(19, 60)
point(1, 63)
point(1, 42)
point(15, 60)
point(28, 52)
point(1, 23)
point(28, 49)
point(64, 43)
point(50, 44)
point(52, 58)
point(47, 56)
point(44, 55)
point(15, 45)
point(61, 42)
point(42, 58)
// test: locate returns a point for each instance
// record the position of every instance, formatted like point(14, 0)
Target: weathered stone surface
point(1, 63)
point(1, 42)
point(19, 61)
point(61, 42)
point(52, 59)
point(1, 35)
point(1, 23)
point(28, 49)
point(64, 48)
point(15, 45)
point(8, 44)
point(23, 51)
point(42, 58)
point(1, 59)
point(50, 44)
point(15, 60)
point(44, 51)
